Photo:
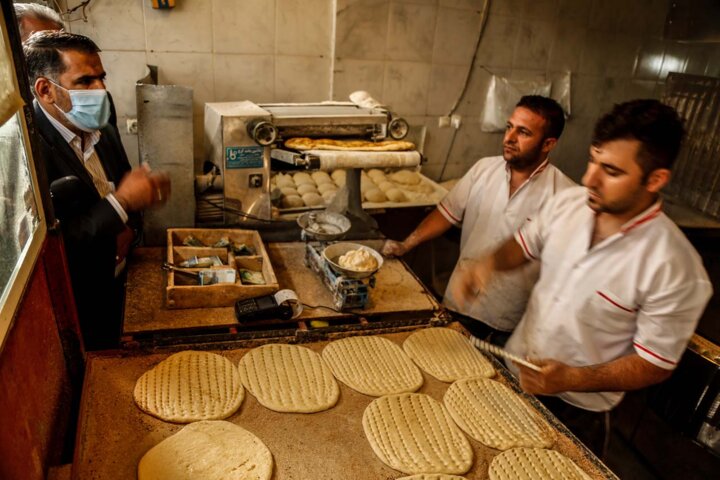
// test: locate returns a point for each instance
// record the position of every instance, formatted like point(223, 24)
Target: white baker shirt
point(481, 204)
point(640, 290)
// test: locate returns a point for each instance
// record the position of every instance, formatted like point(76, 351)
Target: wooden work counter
point(397, 294)
point(113, 434)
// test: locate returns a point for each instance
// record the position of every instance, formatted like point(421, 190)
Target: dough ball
point(376, 174)
point(396, 195)
point(338, 177)
point(292, 201)
point(423, 188)
point(313, 200)
point(406, 177)
point(375, 195)
point(321, 177)
point(302, 177)
point(366, 184)
point(306, 188)
point(328, 196)
point(385, 186)
point(326, 187)
point(359, 260)
point(282, 180)
point(287, 191)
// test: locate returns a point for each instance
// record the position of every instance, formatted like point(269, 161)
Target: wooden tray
point(221, 295)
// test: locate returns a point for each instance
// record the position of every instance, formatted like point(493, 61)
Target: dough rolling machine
point(245, 143)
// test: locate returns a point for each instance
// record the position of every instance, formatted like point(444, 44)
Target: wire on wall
point(483, 21)
point(65, 14)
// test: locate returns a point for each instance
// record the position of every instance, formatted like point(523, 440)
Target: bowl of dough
point(353, 260)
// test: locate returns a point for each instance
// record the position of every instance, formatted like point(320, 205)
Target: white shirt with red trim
point(640, 290)
point(481, 204)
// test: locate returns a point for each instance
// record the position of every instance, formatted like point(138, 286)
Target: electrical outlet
point(132, 126)
point(455, 121)
point(444, 122)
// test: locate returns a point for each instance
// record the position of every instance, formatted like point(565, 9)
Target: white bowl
point(333, 252)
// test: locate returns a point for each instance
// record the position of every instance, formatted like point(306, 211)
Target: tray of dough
point(381, 188)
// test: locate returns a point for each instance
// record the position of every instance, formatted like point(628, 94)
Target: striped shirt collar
point(647, 215)
point(91, 138)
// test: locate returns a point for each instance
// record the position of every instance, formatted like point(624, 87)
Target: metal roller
point(332, 160)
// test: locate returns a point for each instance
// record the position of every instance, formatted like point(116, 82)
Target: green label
point(243, 157)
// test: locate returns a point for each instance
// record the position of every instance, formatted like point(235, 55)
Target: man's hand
point(392, 248)
point(554, 377)
point(141, 188)
point(471, 279)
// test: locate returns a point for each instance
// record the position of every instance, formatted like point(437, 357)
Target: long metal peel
point(495, 350)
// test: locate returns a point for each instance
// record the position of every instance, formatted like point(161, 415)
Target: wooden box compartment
point(182, 295)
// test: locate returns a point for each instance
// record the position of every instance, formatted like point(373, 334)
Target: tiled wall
point(411, 54)
point(262, 50)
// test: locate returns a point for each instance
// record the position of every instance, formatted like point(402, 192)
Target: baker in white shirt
point(491, 201)
point(621, 289)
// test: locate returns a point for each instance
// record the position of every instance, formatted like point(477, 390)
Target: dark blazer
point(90, 226)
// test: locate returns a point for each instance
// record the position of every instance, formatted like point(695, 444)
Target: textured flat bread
point(305, 143)
point(289, 378)
point(433, 476)
point(494, 415)
point(372, 365)
point(413, 433)
point(190, 386)
point(534, 464)
point(446, 355)
point(209, 450)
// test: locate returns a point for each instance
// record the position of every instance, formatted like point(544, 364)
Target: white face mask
point(90, 108)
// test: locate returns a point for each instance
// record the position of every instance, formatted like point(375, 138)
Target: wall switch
point(455, 121)
point(132, 126)
point(444, 122)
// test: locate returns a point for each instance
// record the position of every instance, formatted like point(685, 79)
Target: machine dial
point(398, 128)
point(264, 133)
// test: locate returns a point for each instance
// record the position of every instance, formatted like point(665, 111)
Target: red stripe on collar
point(650, 215)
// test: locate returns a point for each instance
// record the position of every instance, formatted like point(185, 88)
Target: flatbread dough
point(406, 177)
point(292, 201)
point(326, 187)
point(282, 180)
point(534, 464)
point(339, 177)
point(433, 476)
point(312, 199)
point(446, 355)
point(302, 177)
point(289, 191)
point(305, 143)
point(386, 185)
point(413, 433)
point(289, 378)
point(372, 365)
point(494, 415)
point(396, 195)
point(208, 450)
point(304, 188)
point(190, 386)
point(375, 195)
point(321, 177)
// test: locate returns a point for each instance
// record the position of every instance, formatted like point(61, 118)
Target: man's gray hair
point(41, 12)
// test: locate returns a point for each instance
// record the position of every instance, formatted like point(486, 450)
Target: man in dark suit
point(96, 195)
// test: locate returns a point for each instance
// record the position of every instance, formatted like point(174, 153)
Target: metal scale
point(350, 289)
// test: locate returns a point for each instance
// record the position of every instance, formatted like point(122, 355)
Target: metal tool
point(181, 271)
point(495, 350)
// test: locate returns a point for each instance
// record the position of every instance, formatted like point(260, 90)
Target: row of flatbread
point(410, 432)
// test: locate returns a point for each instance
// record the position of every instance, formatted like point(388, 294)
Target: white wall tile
point(446, 82)
point(497, 46)
point(455, 36)
point(533, 45)
point(103, 22)
point(243, 26)
point(123, 70)
point(406, 87)
point(193, 70)
point(244, 77)
point(352, 75)
point(185, 28)
point(303, 27)
point(465, 4)
point(361, 30)
point(302, 79)
point(411, 32)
